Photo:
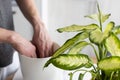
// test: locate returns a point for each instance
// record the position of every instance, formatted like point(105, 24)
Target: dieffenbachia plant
point(103, 41)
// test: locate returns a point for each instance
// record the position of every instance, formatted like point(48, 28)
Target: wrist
point(35, 20)
point(37, 23)
point(12, 38)
point(6, 35)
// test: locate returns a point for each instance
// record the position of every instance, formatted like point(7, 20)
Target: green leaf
point(74, 28)
point(97, 36)
point(99, 16)
point(93, 16)
point(108, 28)
point(112, 44)
point(78, 47)
point(69, 61)
point(110, 63)
point(81, 76)
point(94, 74)
point(69, 43)
point(105, 17)
point(96, 17)
point(102, 17)
point(88, 65)
point(48, 62)
point(116, 30)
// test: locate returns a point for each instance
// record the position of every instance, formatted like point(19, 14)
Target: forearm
point(23, 46)
point(30, 11)
point(6, 35)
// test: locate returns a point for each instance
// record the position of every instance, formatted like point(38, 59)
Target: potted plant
point(103, 41)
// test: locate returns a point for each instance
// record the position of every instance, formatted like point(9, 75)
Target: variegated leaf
point(96, 17)
point(69, 43)
point(69, 61)
point(114, 63)
point(116, 30)
point(97, 36)
point(78, 47)
point(112, 44)
point(74, 28)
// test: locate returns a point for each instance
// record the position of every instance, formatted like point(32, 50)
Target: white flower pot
point(32, 69)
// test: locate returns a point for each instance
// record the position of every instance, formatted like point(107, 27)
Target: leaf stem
point(94, 67)
point(97, 56)
point(111, 75)
point(71, 75)
point(105, 52)
point(100, 51)
point(118, 75)
point(80, 70)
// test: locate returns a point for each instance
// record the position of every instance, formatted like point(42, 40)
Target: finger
point(55, 46)
point(34, 55)
point(40, 53)
point(47, 51)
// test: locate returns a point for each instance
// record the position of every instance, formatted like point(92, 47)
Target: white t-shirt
point(12, 68)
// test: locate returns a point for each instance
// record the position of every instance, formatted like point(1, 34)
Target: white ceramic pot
point(32, 69)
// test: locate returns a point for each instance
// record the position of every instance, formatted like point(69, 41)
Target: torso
point(6, 21)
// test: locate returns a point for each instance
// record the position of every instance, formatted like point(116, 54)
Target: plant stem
point(99, 77)
point(97, 56)
point(105, 52)
point(71, 75)
point(80, 70)
point(100, 51)
point(105, 78)
point(118, 73)
point(111, 75)
point(94, 67)
point(100, 16)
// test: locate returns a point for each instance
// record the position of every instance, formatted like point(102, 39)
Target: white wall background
point(67, 12)
point(113, 7)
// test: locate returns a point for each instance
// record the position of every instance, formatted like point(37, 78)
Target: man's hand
point(23, 46)
point(42, 41)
